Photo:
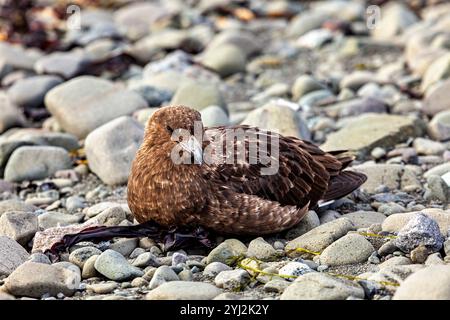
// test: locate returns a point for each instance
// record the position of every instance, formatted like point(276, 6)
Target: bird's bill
point(194, 147)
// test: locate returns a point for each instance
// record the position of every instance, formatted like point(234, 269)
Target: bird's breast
point(167, 195)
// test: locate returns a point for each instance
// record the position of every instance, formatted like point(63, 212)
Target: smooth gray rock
point(356, 80)
point(244, 40)
point(58, 219)
point(390, 208)
point(162, 275)
point(276, 285)
point(434, 259)
point(305, 22)
point(68, 266)
point(135, 19)
point(350, 249)
point(314, 98)
point(124, 246)
point(115, 267)
point(368, 131)
point(7, 148)
point(95, 100)
point(355, 107)
point(103, 288)
point(155, 97)
point(186, 275)
point(74, 203)
point(320, 286)
point(139, 282)
point(12, 255)
point(137, 252)
point(395, 261)
point(143, 115)
point(438, 170)
point(42, 137)
point(278, 89)
point(89, 270)
point(36, 162)
point(396, 17)
point(438, 100)
point(10, 115)
point(64, 64)
point(304, 84)
point(111, 148)
point(213, 116)
point(214, 268)
point(437, 71)
point(232, 279)
point(225, 59)
point(37, 279)
point(393, 176)
point(88, 36)
point(16, 205)
point(30, 92)
point(111, 216)
point(222, 253)
point(364, 219)
point(236, 246)
point(436, 189)
point(262, 250)
point(15, 57)
point(309, 222)
point(184, 290)
point(81, 255)
point(321, 237)
point(145, 49)
point(280, 119)
point(39, 257)
point(198, 95)
point(431, 283)
point(146, 259)
point(428, 147)
point(100, 207)
point(20, 226)
point(439, 126)
point(396, 273)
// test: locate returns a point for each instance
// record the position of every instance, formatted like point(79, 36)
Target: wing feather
point(303, 174)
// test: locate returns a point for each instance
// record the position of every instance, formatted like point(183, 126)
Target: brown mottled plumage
point(231, 198)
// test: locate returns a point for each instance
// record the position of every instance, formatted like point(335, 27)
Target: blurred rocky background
point(79, 79)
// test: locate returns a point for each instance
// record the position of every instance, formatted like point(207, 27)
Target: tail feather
point(343, 184)
point(345, 161)
point(343, 157)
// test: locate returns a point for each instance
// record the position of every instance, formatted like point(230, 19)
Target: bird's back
point(304, 173)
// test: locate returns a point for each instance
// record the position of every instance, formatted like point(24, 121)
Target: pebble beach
point(79, 81)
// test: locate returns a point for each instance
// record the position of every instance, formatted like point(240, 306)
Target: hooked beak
point(194, 147)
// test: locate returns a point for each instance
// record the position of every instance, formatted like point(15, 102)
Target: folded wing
point(283, 169)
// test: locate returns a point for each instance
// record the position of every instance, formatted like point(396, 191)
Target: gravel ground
point(75, 95)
